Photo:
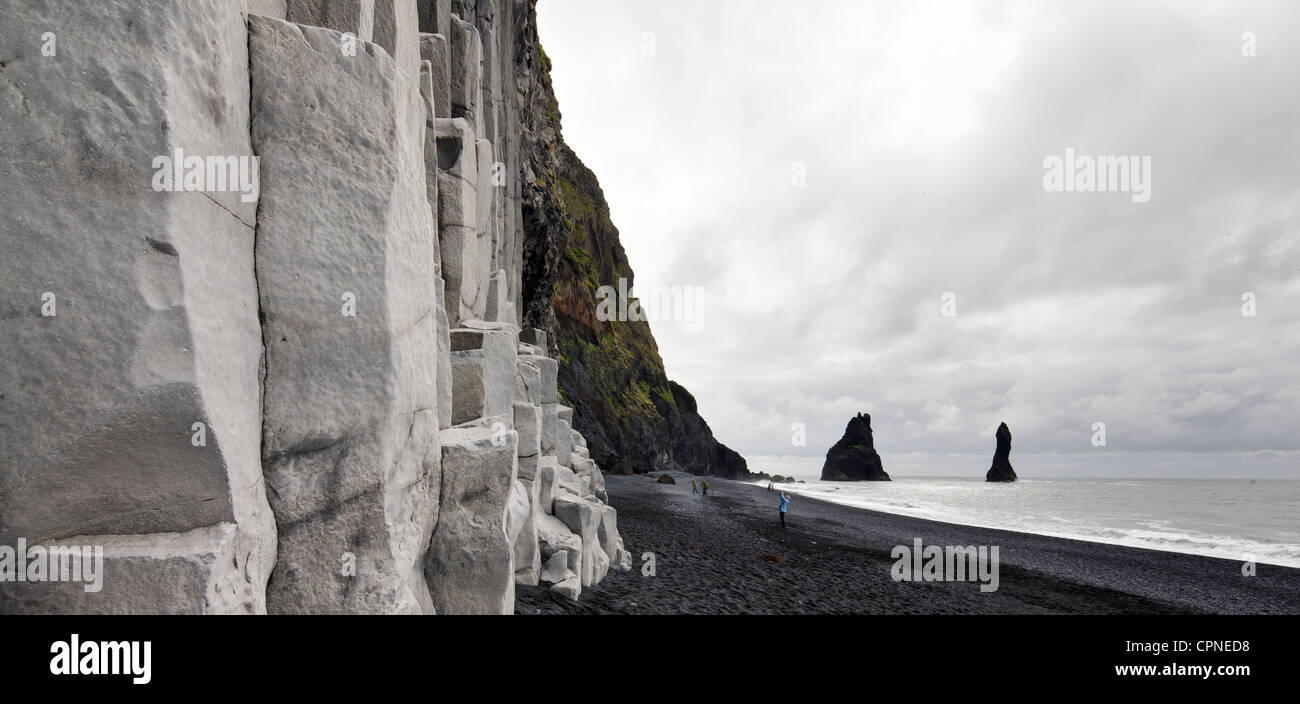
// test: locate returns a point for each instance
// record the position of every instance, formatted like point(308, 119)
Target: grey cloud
point(1072, 307)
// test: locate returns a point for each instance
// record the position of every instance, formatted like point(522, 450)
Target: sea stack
point(1001, 470)
point(854, 457)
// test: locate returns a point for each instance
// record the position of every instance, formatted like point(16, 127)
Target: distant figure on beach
point(769, 486)
point(693, 488)
point(704, 486)
point(785, 503)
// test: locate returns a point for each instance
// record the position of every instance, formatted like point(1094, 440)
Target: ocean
point(1228, 518)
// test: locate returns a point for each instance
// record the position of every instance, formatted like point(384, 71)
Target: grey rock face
point(266, 8)
point(443, 378)
point(563, 442)
point(457, 216)
point(556, 568)
point(466, 72)
point(516, 511)
point(483, 367)
point(582, 517)
point(534, 337)
point(352, 16)
point(526, 555)
point(434, 49)
point(555, 537)
point(548, 369)
point(567, 483)
point(610, 541)
point(562, 552)
point(548, 483)
point(528, 382)
point(469, 565)
point(397, 30)
point(549, 425)
point(528, 423)
point(434, 15)
point(498, 306)
point(429, 93)
point(345, 278)
point(195, 572)
point(587, 470)
point(131, 345)
point(486, 232)
point(570, 588)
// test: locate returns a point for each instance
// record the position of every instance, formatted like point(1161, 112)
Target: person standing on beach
point(693, 489)
point(705, 487)
point(769, 487)
point(785, 503)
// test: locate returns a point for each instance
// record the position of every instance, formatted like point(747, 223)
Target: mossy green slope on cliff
point(633, 416)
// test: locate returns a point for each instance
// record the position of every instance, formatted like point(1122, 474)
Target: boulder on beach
point(623, 468)
point(1001, 470)
point(667, 479)
point(854, 457)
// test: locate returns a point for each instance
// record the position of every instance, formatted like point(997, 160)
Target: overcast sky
point(920, 131)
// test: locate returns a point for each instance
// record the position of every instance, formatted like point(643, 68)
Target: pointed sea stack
point(1001, 470)
point(854, 457)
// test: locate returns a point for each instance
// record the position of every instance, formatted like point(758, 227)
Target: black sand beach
point(837, 560)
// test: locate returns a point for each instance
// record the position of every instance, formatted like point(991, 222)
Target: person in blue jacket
point(785, 503)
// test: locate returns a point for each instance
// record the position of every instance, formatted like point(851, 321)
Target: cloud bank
point(859, 189)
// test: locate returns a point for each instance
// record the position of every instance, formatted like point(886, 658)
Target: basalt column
point(129, 409)
point(345, 268)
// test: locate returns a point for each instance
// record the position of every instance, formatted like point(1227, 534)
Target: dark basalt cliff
point(634, 418)
point(854, 457)
point(1001, 470)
